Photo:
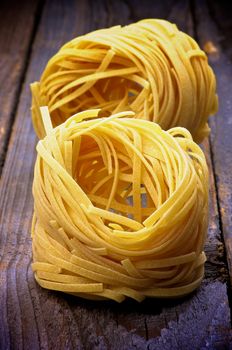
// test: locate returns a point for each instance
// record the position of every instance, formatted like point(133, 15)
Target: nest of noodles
point(149, 67)
point(120, 208)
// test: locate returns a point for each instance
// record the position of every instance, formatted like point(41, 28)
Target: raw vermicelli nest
point(120, 208)
point(149, 67)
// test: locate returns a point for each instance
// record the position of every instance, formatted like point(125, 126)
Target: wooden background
point(32, 318)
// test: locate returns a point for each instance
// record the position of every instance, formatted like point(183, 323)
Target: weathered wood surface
point(17, 26)
point(32, 318)
point(214, 25)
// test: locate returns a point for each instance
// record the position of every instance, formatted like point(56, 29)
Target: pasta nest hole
point(117, 180)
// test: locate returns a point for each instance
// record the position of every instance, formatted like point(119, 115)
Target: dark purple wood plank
point(215, 30)
point(17, 23)
point(34, 318)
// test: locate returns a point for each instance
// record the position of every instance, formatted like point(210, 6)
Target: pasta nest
point(120, 208)
point(149, 67)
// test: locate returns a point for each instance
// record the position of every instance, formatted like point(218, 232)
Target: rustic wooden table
point(33, 318)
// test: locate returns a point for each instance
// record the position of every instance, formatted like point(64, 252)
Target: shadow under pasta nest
point(149, 306)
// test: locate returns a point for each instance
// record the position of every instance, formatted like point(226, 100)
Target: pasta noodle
point(149, 67)
point(120, 208)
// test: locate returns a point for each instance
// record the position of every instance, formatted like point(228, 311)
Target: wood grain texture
point(33, 318)
point(17, 24)
point(181, 14)
point(211, 27)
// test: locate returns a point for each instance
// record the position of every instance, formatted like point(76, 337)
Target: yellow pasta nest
point(120, 208)
point(149, 67)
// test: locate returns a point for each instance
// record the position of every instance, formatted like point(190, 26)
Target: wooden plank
point(148, 9)
point(17, 24)
point(211, 28)
point(181, 14)
point(215, 265)
point(35, 318)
